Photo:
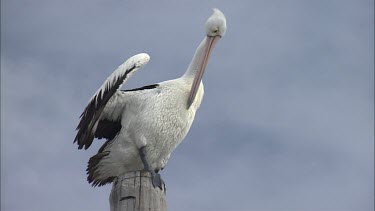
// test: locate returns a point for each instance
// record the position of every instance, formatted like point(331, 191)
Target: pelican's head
point(216, 24)
point(215, 29)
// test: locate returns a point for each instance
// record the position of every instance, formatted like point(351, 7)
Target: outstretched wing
point(91, 124)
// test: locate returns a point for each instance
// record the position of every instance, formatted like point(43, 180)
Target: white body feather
point(154, 118)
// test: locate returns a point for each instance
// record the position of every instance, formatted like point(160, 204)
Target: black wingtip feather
point(93, 111)
point(152, 86)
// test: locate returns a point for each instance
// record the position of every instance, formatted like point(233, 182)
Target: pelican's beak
point(210, 43)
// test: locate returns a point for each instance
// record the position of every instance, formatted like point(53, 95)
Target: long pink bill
point(211, 41)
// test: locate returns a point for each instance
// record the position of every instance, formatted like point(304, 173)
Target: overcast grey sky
point(286, 123)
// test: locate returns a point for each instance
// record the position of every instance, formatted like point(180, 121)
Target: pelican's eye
point(215, 30)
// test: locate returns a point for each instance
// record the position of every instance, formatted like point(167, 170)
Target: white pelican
point(144, 125)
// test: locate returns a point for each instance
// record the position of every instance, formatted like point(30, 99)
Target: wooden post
point(133, 191)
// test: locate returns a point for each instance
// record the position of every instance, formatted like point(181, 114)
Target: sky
point(286, 123)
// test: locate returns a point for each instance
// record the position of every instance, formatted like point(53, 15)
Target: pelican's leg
point(155, 177)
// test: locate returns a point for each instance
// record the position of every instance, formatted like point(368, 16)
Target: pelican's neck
point(196, 61)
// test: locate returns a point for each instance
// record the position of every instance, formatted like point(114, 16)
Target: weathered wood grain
point(133, 191)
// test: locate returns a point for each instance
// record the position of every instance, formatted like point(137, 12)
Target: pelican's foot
point(155, 177)
point(157, 181)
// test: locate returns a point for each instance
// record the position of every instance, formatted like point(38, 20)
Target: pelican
point(144, 125)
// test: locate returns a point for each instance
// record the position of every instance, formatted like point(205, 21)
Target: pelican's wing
point(103, 123)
